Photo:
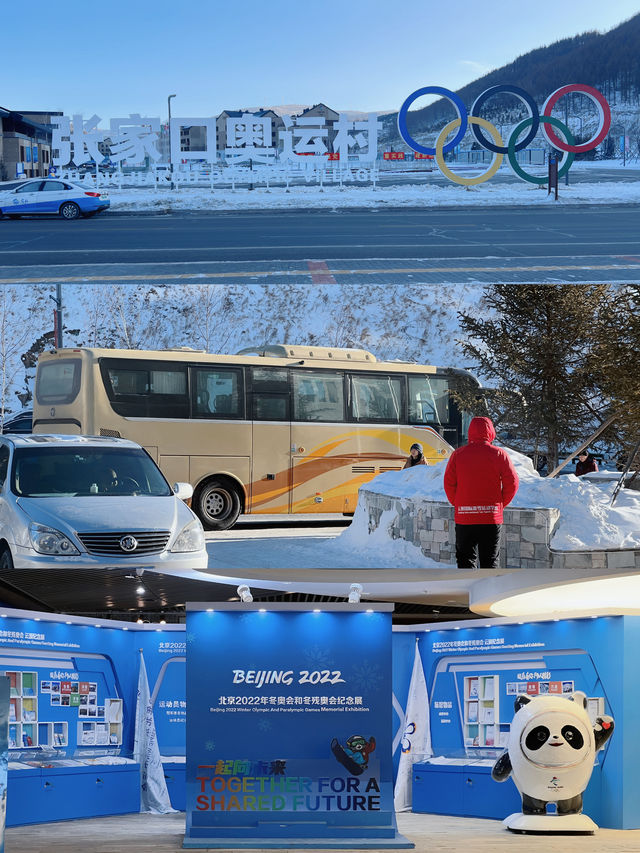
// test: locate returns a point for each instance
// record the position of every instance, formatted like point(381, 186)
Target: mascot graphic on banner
point(550, 755)
point(354, 755)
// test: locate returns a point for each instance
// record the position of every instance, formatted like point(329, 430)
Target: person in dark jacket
point(586, 463)
point(479, 481)
point(416, 456)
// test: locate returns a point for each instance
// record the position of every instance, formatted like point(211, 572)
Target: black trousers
point(477, 541)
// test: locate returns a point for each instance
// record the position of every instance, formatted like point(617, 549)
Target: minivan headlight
point(190, 538)
point(47, 540)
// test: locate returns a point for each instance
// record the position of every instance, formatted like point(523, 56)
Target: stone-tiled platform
point(526, 535)
point(144, 833)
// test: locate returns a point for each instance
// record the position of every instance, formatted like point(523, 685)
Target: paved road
point(390, 246)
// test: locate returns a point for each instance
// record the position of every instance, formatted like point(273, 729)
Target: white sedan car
point(70, 501)
point(49, 196)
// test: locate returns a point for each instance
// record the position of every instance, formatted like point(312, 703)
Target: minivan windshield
point(54, 471)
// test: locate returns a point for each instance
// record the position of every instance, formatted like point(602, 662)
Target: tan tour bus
point(284, 429)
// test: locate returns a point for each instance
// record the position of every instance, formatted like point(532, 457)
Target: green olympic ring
point(513, 139)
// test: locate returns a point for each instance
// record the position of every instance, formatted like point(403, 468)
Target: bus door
point(270, 413)
point(321, 439)
point(430, 405)
point(376, 405)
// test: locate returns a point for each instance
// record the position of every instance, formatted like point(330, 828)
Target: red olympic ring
point(601, 105)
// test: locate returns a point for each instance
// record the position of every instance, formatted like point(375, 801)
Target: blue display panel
point(594, 655)
point(4, 755)
point(289, 729)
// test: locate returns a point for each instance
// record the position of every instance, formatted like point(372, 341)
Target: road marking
point(346, 272)
point(124, 251)
point(320, 273)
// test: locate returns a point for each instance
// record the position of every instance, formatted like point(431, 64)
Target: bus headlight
point(190, 538)
point(47, 540)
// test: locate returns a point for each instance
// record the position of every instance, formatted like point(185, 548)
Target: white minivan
point(74, 501)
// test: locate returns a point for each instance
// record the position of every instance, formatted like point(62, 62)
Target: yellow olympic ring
point(495, 163)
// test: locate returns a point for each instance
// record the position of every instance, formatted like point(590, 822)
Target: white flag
point(154, 796)
point(416, 736)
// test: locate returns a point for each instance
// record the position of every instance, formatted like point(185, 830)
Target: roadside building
point(25, 143)
point(221, 126)
point(326, 118)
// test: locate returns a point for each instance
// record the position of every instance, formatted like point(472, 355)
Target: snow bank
point(587, 522)
point(412, 195)
point(357, 547)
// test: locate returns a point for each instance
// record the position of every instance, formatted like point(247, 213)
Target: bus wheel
point(217, 504)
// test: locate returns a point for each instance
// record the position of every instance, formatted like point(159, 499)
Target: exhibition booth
point(305, 707)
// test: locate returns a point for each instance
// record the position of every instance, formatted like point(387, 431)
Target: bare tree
point(21, 314)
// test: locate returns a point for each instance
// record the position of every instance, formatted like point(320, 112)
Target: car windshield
point(52, 471)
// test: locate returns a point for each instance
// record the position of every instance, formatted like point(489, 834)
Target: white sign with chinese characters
point(307, 146)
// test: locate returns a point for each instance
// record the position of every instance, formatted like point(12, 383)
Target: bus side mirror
point(183, 491)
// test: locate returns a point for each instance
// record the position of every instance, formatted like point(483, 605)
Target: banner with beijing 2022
point(289, 727)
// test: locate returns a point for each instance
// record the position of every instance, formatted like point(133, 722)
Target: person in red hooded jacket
point(479, 481)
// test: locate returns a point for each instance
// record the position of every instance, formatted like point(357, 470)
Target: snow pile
point(587, 521)
point(409, 195)
point(357, 547)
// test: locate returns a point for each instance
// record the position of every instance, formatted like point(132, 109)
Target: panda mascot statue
point(550, 756)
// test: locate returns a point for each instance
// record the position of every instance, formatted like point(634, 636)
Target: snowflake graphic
point(317, 656)
point(264, 726)
point(366, 675)
point(191, 638)
point(210, 746)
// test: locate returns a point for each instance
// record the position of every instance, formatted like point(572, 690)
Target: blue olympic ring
point(527, 100)
point(445, 93)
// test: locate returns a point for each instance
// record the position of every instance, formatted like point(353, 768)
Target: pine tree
point(614, 361)
point(535, 348)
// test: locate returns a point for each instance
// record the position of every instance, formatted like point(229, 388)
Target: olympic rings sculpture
point(496, 144)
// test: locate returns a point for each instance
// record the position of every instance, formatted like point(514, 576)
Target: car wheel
point(217, 504)
point(69, 210)
point(6, 560)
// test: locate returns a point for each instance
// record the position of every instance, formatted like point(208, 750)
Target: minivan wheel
point(6, 560)
point(217, 504)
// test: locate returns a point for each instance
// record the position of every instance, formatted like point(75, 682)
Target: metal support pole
point(173, 186)
point(566, 124)
point(57, 316)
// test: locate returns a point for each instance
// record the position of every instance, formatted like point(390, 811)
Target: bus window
point(428, 400)
point(376, 398)
point(317, 396)
point(218, 393)
point(58, 382)
point(145, 391)
point(270, 394)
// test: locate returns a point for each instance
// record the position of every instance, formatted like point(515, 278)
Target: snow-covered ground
point(587, 521)
point(325, 549)
point(410, 195)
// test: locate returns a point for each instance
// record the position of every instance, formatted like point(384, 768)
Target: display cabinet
point(482, 711)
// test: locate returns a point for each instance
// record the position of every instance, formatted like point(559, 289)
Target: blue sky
point(122, 57)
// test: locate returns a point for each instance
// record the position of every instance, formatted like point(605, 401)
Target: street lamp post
point(170, 161)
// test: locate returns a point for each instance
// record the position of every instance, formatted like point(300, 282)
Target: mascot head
point(554, 731)
point(357, 743)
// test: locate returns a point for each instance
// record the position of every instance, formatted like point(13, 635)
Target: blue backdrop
point(596, 655)
point(289, 727)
